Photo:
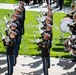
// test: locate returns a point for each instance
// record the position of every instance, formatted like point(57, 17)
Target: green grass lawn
point(31, 48)
point(8, 1)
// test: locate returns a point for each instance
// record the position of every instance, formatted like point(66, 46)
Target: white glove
point(69, 43)
point(38, 40)
point(41, 31)
point(3, 37)
point(8, 26)
point(7, 39)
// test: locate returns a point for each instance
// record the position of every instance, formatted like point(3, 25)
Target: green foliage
point(31, 48)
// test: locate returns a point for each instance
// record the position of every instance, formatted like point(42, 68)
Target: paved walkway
point(32, 65)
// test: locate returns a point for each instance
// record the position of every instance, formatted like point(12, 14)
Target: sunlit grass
point(8, 1)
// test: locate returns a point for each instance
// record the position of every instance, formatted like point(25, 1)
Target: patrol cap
point(18, 9)
point(14, 24)
point(49, 25)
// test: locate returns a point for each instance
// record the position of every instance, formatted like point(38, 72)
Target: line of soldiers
point(59, 3)
point(42, 1)
point(39, 1)
point(12, 40)
point(45, 28)
point(71, 41)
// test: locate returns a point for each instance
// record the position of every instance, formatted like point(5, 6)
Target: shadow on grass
point(64, 56)
point(67, 56)
point(36, 54)
point(38, 49)
point(2, 52)
point(59, 44)
point(57, 49)
point(62, 40)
